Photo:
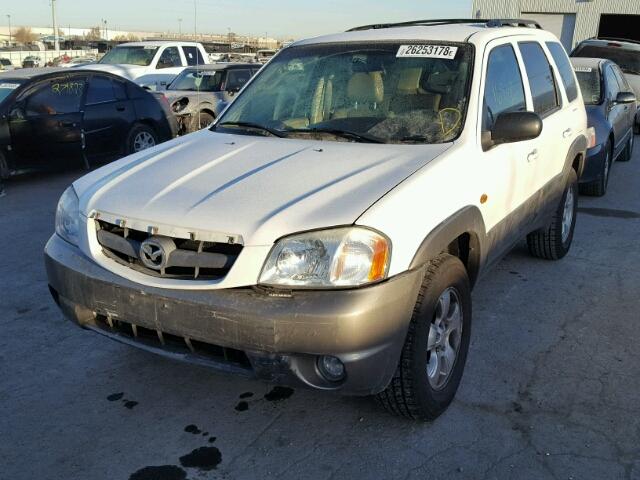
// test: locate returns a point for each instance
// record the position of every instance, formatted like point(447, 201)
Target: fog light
point(331, 368)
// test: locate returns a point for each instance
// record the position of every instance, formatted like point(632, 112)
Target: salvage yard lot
point(551, 388)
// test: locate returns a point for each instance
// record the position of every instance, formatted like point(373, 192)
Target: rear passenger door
point(557, 132)
point(509, 170)
point(108, 117)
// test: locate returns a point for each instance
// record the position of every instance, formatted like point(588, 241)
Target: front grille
point(173, 343)
point(181, 258)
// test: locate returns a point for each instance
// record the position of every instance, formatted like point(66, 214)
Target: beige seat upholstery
point(365, 93)
point(411, 96)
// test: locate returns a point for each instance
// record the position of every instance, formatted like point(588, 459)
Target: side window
point(100, 90)
point(237, 78)
point(193, 56)
point(564, 66)
point(543, 85)
point(503, 91)
point(170, 58)
point(612, 83)
point(56, 97)
point(622, 80)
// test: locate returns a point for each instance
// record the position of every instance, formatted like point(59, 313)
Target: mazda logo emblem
point(153, 254)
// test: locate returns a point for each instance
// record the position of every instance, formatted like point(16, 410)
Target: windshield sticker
point(10, 86)
point(583, 69)
point(67, 88)
point(427, 51)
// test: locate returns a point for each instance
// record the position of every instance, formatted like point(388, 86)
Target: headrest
point(366, 88)
point(409, 80)
point(440, 82)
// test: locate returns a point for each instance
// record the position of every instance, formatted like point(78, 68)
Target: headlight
point(338, 257)
point(68, 216)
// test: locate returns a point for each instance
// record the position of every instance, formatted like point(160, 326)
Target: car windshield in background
point(387, 93)
point(5, 61)
point(628, 60)
point(198, 80)
point(589, 81)
point(130, 55)
point(7, 87)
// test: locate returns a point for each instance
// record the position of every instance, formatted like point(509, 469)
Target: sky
point(277, 18)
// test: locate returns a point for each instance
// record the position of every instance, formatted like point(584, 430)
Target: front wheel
point(553, 242)
point(598, 187)
point(628, 150)
point(436, 346)
point(140, 138)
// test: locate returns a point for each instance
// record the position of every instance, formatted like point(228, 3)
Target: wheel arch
point(576, 155)
point(462, 235)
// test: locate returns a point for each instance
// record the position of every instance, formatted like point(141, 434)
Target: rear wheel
point(435, 350)
point(140, 138)
point(598, 187)
point(553, 242)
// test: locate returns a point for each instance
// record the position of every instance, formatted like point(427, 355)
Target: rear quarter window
point(564, 67)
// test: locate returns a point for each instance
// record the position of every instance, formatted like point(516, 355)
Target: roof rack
point(491, 23)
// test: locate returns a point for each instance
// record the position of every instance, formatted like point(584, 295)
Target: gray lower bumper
point(281, 334)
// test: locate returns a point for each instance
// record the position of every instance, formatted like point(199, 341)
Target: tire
point(418, 389)
point(140, 138)
point(553, 242)
point(598, 187)
point(4, 168)
point(628, 150)
point(198, 122)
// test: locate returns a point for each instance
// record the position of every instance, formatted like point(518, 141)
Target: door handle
point(533, 155)
point(120, 108)
point(567, 133)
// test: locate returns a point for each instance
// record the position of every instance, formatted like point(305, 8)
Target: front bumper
point(593, 164)
point(272, 335)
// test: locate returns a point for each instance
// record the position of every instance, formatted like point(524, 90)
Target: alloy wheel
point(445, 334)
point(142, 141)
point(567, 214)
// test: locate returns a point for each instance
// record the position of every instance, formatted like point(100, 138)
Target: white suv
point(328, 228)
point(151, 64)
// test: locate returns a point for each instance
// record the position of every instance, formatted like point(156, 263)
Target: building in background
point(571, 20)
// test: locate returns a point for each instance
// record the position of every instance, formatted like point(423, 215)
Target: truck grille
point(166, 257)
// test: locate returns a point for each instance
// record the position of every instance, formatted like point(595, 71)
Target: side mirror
point(625, 97)
point(512, 127)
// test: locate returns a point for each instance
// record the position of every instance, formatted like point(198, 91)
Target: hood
point(259, 188)
point(127, 71)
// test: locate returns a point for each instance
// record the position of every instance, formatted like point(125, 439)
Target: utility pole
point(9, 18)
point(179, 27)
point(56, 41)
point(195, 20)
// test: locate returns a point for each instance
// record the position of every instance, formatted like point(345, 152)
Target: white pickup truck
point(152, 64)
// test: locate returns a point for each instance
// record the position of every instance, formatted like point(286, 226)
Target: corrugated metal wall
point(587, 12)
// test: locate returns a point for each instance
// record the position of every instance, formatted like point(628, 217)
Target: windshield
point(628, 60)
point(130, 55)
point(589, 81)
point(387, 92)
point(198, 80)
point(5, 61)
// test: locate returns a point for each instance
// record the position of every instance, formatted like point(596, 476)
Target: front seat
point(365, 93)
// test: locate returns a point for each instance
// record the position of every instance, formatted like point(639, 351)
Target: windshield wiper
point(253, 126)
point(362, 137)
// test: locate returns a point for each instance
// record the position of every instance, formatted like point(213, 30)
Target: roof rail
point(450, 21)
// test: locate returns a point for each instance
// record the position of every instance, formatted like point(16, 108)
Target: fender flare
point(466, 220)
point(578, 148)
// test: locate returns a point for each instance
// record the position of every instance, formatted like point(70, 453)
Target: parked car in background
point(6, 65)
point(611, 107)
point(31, 62)
point(78, 62)
point(327, 230)
point(55, 118)
point(263, 56)
point(199, 94)
point(151, 64)
point(625, 53)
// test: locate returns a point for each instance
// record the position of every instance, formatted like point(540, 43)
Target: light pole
point(56, 41)
point(229, 37)
point(179, 27)
point(9, 19)
point(106, 32)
